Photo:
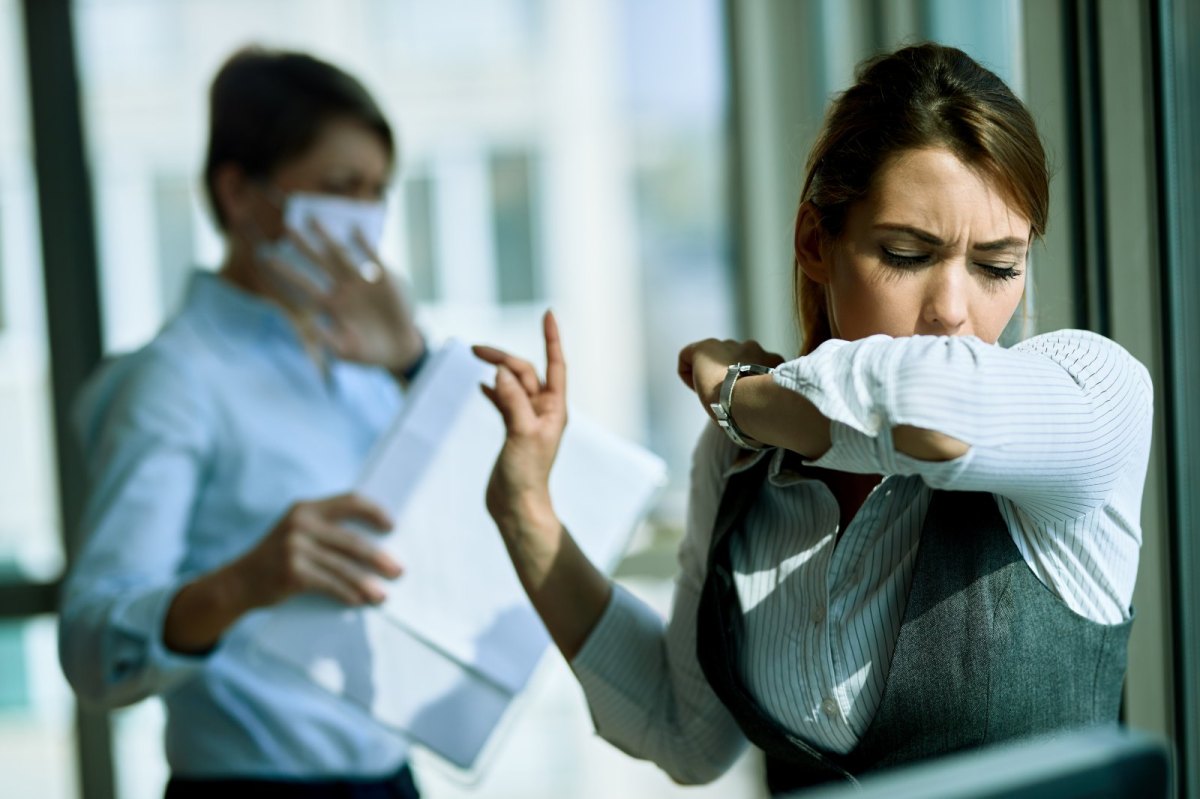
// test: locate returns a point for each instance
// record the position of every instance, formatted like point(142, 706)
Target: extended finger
point(354, 506)
point(333, 340)
point(336, 257)
point(556, 364)
point(310, 254)
point(347, 543)
point(311, 293)
point(345, 578)
point(523, 370)
point(378, 269)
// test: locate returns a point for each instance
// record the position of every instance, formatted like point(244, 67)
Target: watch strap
point(723, 408)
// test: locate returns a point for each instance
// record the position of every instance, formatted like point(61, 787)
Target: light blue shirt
point(194, 447)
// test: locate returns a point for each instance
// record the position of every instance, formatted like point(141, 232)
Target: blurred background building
point(633, 164)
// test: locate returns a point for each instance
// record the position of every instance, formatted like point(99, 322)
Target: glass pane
point(561, 154)
point(37, 744)
point(30, 543)
point(518, 262)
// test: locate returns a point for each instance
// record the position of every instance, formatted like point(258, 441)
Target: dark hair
point(267, 107)
point(927, 95)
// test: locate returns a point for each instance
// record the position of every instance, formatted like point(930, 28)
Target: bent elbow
point(81, 655)
point(703, 763)
point(927, 445)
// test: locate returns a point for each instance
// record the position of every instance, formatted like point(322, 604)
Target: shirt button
point(830, 707)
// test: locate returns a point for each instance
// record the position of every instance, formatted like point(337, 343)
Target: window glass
point(514, 211)
point(36, 708)
point(37, 746)
point(30, 543)
point(569, 155)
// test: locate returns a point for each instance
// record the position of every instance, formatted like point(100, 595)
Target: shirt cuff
point(845, 380)
point(852, 450)
point(138, 652)
point(623, 652)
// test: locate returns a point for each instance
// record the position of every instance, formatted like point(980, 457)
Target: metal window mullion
point(1085, 123)
point(1178, 125)
point(71, 291)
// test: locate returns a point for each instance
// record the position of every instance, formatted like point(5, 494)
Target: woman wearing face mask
point(904, 542)
point(220, 454)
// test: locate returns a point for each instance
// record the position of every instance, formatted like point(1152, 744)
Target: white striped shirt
point(1059, 432)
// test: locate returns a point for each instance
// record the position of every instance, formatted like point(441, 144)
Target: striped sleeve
point(643, 682)
point(1054, 424)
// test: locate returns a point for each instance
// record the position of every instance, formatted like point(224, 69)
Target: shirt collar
point(234, 314)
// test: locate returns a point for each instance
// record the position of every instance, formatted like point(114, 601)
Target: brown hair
point(267, 107)
point(927, 95)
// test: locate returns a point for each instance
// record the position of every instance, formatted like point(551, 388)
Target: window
point(422, 252)
point(514, 215)
point(537, 169)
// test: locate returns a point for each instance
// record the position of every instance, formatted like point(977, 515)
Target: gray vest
point(986, 653)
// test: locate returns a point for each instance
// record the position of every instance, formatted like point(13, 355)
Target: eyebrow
point(1010, 243)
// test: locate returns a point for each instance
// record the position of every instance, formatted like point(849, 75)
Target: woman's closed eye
point(1000, 271)
point(907, 259)
point(904, 258)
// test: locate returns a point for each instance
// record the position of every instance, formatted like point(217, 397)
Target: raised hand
point(366, 317)
point(535, 414)
point(567, 591)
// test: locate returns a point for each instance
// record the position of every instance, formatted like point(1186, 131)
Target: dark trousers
point(398, 786)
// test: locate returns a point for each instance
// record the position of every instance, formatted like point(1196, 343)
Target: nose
point(944, 311)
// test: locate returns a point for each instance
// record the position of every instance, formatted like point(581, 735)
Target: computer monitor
point(1096, 763)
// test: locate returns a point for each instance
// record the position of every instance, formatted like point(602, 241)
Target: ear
point(233, 195)
point(812, 250)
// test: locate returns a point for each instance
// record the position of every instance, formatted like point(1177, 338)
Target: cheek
point(998, 308)
point(267, 221)
point(865, 299)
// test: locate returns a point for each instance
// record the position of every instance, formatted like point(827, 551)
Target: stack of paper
point(457, 640)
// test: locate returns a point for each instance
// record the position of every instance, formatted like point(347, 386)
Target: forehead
point(346, 145)
point(933, 190)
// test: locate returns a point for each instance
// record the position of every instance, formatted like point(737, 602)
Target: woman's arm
point(131, 624)
point(781, 417)
point(567, 591)
point(642, 680)
point(145, 439)
point(1052, 423)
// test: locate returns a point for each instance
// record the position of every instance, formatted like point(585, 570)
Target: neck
point(851, 491)
point(242, 269)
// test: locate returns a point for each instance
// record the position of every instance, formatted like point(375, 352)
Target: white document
point(457, 639)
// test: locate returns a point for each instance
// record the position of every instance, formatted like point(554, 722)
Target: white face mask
point(341, 218)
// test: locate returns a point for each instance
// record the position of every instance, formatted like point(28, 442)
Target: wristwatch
point(722, 408)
